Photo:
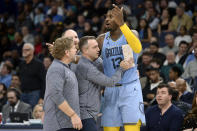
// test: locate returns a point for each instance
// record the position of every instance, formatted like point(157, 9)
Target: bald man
point(172, 84)
point(32, 76)
point(184, 95)
point(68, 34)
point(72, 34)
point(170, 62)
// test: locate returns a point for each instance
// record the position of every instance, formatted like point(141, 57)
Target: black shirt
point(32, 75)
point(171, 120)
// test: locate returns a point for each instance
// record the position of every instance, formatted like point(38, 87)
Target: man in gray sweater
point(61, 101)
point(90, 80)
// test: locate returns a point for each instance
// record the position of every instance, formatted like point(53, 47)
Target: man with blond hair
point(61, 101)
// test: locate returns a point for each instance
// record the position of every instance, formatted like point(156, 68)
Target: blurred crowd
point(167, 30)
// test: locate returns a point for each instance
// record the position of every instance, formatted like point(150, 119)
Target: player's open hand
point(117, 14)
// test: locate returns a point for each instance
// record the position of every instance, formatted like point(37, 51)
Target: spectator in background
point(182, 53)
point(174, 73)
point(170, 62)
point(3, 98)
point(172, 85)
point(145, 32)
point(5, 45)
point(18, 43)
point(190, 120)
point(164, 116)
point(27, 37)
point(14, 105)
point(162, 5)
point(191, 68)
point(16, 81)
point(144, 80)
point(96, 23)
point(15, 59)
point(169, 40)
point(191, 54)
point(38, 44)
point(182, 36)
point(47, 62)
point(38, 112)
point(184, 94)
point(154, 50)
point(185, 107)
point(186, 8)
point(54, 7)
point(88, 29)
point(164, 22)
point(5, 75)
point(79, 28)
point(180, 19)
point(31, 73)
point(152, 19)
point(156, 64)
point(146, 58)
point(149, 91)
point(39, 16)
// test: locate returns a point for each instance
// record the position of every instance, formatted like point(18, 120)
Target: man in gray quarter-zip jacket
point(90, 80)
point(61, 101)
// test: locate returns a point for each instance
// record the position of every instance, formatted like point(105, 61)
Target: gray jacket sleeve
point(186, 73)
point(55, 81)
point(96, 76)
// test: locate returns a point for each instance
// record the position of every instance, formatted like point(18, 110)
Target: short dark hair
point(4, 88)
point(9, 68)
point(175, 95)
point(156, 60)
point(183, 43)
point(177, 70)
point(163, 85)
point(84, 41)
point(153, 69)
point(146, 53)
point(16, 91)
point(155, 44)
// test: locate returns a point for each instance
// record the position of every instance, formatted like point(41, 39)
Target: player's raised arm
point(131, 38)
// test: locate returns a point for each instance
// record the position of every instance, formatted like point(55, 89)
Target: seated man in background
point(184, 94)
point(165, 116)
point(14, 105)
point(149, 91)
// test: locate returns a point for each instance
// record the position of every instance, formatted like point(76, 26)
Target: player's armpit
point(131, 38)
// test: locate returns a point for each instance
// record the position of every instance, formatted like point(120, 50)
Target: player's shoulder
point(101, 37)
point(100, 40)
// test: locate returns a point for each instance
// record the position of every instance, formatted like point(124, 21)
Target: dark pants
point(31, 97)
point(89, 125)
point(67, 129)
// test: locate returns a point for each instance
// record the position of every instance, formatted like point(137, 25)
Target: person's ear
point(66, 52)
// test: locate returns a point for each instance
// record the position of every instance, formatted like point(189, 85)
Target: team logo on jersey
point(113, 51)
